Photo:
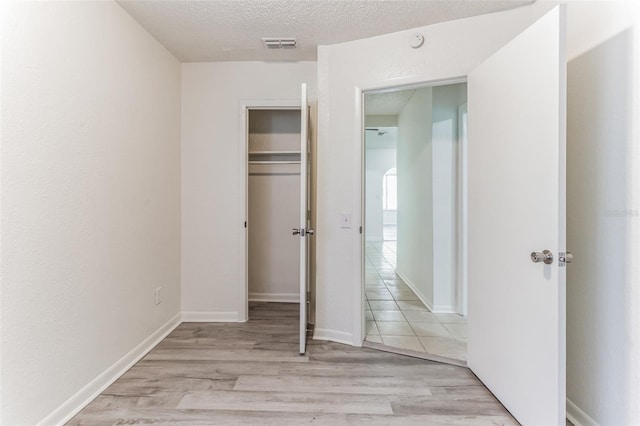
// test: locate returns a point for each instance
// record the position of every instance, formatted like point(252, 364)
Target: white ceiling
point(388, 103)
point(231, 30)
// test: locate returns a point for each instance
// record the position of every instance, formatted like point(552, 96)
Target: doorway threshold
point(414, 354)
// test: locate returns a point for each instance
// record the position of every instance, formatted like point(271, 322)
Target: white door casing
point(516, 190)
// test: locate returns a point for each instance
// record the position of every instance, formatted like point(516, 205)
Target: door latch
point(564, 258)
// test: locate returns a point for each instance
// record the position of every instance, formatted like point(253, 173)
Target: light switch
point(345, 220)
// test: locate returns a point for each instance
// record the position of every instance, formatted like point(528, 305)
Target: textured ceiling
point(231, 30)
point(388, 103)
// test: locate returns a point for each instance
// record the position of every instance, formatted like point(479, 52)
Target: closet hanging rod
point(274, 174)
point(273, 152)
point(274, 162)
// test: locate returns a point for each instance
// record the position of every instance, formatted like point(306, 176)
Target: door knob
point(311, 231)
point(296, 231)
point(546, 256)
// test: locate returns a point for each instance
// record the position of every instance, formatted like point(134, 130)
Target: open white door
point(516, 189)
point(305, 232)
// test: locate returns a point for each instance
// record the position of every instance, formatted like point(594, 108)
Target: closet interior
point(273, 203)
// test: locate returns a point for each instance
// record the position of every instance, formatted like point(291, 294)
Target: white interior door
point(305, 232)
point(516, 189)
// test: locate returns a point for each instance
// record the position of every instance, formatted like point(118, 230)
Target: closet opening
point(273, 200)
point(275, 204)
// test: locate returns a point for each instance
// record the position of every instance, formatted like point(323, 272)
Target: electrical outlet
point(158, 300)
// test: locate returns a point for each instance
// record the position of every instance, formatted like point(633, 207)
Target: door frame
point(378, 86)
point(462, 281)
point(243, 191)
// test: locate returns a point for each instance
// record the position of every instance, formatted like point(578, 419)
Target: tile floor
point(396, 317)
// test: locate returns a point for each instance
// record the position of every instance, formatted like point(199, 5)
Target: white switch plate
point(345, 220)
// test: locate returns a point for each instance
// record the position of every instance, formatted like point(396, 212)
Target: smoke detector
point(280, 42)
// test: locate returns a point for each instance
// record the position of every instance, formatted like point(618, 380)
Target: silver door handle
point(311, 231)
point(296, 231)
point(546, 256)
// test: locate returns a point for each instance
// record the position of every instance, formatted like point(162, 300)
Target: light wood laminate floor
point(251, 373)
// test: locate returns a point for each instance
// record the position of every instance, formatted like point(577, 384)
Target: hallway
point(396, 317)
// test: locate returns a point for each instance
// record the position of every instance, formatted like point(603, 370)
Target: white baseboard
point(426, 302)
point(436, 309)
point(84, 396)
point(274, 297)
point(209, 316)
point(577, 416)
point(333, 336)
point(444, 309)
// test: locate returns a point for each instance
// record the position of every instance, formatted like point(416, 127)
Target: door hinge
point(361, 229)
point(245, 223)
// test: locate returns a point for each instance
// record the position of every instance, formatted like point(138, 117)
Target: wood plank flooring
point(251, 373)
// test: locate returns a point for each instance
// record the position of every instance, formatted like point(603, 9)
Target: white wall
point(446, 100)
point(90, 201)
point(378, 161)
point(212, 94)
point(603, 289)
point(415, 209)
point(451, 50)
point(274, 254)
point(427, 188)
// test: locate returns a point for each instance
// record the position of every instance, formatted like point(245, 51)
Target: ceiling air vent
point(280, 43)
